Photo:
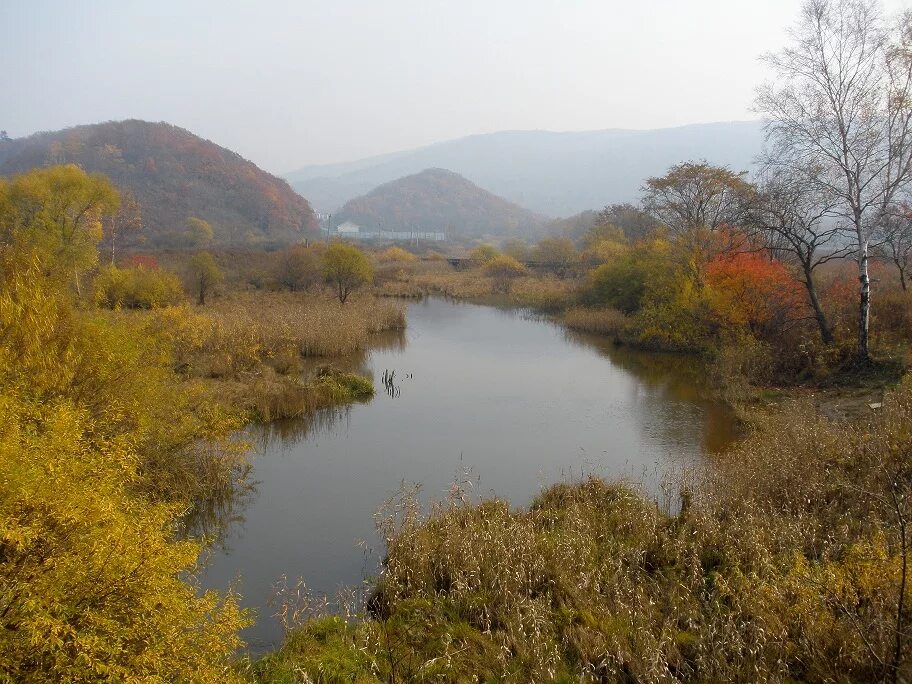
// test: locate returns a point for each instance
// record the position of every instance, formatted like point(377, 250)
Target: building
point(348, 228)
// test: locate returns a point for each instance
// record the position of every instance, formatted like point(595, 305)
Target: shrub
point(298, 267)
point(483, 253)
point(136, 287)
point(503, 269)
point(620, 284)
point(395, 255)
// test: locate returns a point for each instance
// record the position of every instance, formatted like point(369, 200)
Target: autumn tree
point(695, 196)
point(557, 253)
point(632, 221)
point(56, 214)
point(297, 267)
point(199, 232)
point(795, 213)
point(205, 275)
point(841, 106)
point(127, 218)
point(750, 290)
point(346, 268)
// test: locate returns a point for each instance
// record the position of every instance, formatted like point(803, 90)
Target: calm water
point(518, 401)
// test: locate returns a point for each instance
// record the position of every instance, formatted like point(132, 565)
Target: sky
point(287, 83)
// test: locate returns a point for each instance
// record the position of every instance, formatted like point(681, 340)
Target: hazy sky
point(289, 83)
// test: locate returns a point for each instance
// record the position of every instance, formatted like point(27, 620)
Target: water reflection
point(286, 433)
point(517, 400)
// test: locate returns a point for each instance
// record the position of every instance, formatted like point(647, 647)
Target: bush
point(298, 267)
point(483, 253)
point(503, 269)
point(100, 446)
point(136, 287)
point(395, 255)
point(620, 285)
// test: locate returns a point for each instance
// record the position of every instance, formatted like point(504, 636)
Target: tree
point(794, 211)
point(199, 232)
point(503, 269)
point(297, 267)
point(897, 241)
point(841, 105)
point(55, 214)
point(4, 136)
point(127, 217)
point(346, 268)
point(695, 196)
point(634, 223)
point(558, 253)
point(205, 275)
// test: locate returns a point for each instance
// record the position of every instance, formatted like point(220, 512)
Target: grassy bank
point(270, 354)
point(786, 561)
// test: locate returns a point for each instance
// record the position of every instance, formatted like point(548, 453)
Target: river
point(515, 401)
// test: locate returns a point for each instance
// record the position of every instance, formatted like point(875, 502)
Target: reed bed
point(602, 321)
point(253, 347)
point(788, 561)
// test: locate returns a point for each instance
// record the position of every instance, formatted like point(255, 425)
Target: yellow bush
point(96, 438)
point(395, 254)
point(136, 288)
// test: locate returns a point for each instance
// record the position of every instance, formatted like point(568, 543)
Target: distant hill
point(438, 200)
point(174, 175)
point(556, 174)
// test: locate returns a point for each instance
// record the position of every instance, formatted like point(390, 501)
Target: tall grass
point(602, 321)
point(252, 348)
point(787, 560)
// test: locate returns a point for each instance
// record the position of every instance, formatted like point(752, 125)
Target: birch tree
point(840, 104)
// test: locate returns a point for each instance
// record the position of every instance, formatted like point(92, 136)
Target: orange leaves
point(749, 289)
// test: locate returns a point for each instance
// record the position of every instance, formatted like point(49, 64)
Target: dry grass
point(251, 347)
point(602, 321)
point(314, 325)
point(785, 562)
point(539, 291)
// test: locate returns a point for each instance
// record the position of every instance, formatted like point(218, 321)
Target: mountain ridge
point(438, 200)
point(555, 173)
point(174, 174)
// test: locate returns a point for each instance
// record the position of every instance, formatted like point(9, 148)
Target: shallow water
point(515, 400)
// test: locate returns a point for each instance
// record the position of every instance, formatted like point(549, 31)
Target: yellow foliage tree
point(55, 215)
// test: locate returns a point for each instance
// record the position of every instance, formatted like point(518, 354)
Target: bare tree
point(794, 212)
point(841, 105)
point(897, 241)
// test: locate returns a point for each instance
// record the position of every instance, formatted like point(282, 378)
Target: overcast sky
point(295, 82)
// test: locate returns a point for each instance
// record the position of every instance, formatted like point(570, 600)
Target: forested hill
point(438, 200)
point(174, 175)
point(554, 173)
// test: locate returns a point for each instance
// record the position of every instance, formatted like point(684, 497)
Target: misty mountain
point(174, 175)
point(556, 174)
point(438, 200)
